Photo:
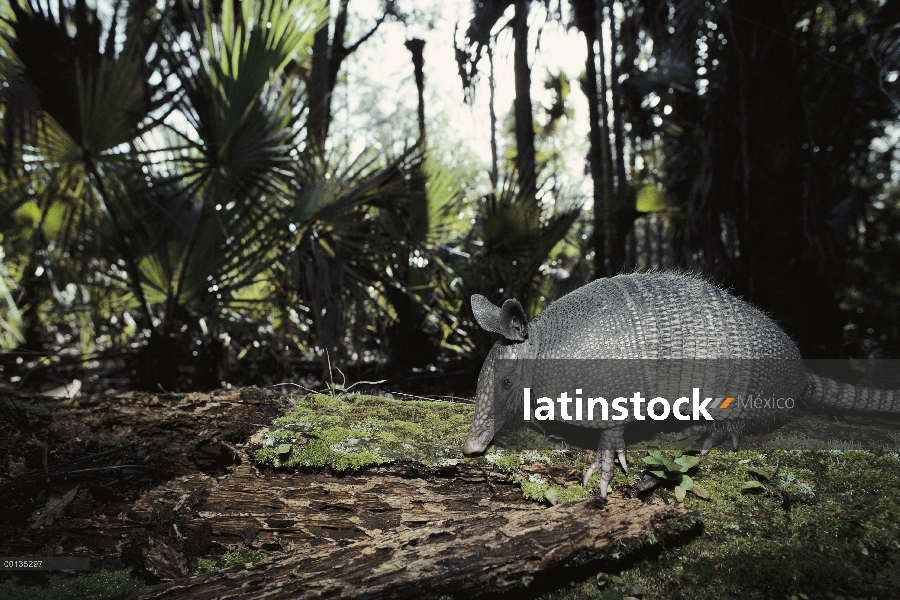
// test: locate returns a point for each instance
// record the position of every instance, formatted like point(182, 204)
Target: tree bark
point(319, 94)
point(380, 535)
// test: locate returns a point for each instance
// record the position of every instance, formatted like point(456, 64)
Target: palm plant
point(72, 102)
point(506, 253)
point(202, 207)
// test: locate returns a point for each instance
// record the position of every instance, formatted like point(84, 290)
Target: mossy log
point(385, 536)
point(402, 529)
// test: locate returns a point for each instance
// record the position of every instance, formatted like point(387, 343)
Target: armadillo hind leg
point(691, 431)
point(612, 441)
point(712, 440)
point(715, 434)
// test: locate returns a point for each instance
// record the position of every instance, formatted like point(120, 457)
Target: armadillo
point(641, 316)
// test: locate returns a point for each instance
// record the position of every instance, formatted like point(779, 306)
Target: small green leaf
point(679, 493)
point(284, 449)
point(671, 465)
point(655, 453)
point(761, 473)
point(686, 483)
point(752, 486)
point(616, 579)
point(688, 462)
point(661, 474)
point(653, 460)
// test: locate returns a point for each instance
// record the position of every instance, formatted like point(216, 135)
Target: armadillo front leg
point(611, 441)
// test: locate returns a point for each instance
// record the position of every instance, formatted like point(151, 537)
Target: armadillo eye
point(507, 382)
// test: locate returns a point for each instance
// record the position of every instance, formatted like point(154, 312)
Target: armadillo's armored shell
point(700, 335)
point(658, 315)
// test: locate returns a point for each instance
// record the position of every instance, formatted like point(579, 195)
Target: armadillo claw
point(603, 486)
point(587, 475)
point(606, 472)
point(622, 460)
point(612, 444)
point(603, 463)
point(735, 440)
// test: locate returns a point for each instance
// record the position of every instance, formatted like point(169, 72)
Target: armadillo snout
point(476, 443)
point(472, 447)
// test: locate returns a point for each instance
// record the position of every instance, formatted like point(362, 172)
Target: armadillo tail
point(849, 397)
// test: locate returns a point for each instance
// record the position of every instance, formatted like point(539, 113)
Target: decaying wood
point(432, 553)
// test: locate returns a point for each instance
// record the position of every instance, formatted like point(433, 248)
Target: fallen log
point(460, 554)
point(397, 530)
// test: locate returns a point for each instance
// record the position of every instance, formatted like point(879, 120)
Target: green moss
point(206, 565)
point(840, 536)
point(508, 463)
point(569, 493)
point(354, 431)
point(534, 489)
point(89, 586)
point(236, 556)
point(241, 556)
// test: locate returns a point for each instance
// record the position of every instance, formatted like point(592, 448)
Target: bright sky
point(384, 60)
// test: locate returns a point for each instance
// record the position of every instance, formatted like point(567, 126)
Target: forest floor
point(249, 492)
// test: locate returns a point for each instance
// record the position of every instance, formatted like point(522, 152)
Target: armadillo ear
point(487, 314)
point(513, 322)
point(509, 321)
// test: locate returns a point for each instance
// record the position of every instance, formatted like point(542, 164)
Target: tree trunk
point(525, 155)
point(409, 543)
point(319, 94)
point(784, 239)
point(598, 156)
point(606, 212)
point(328, 54)
point(495, 170)
point(416, 46)
point(594, 159)
point(623, 207)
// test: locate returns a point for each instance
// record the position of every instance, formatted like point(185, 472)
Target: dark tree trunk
point(785, 275)
point(603, 211)
point(416, 46)
point(495, 170)
point(525, 155)
point(328, 54)
point(319, 94)
point(598, 151)
point(623, 213)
